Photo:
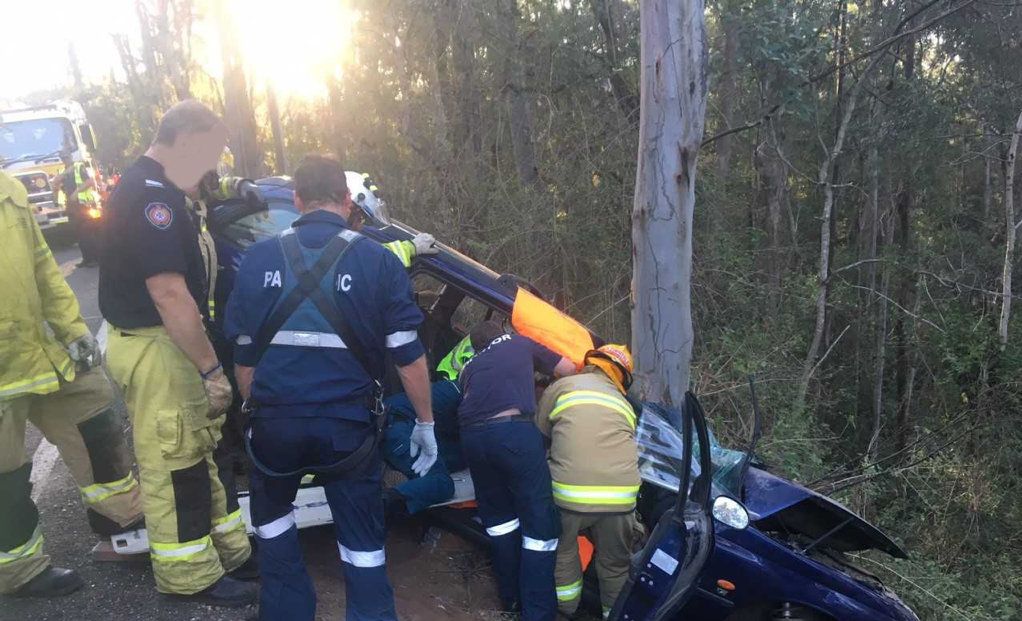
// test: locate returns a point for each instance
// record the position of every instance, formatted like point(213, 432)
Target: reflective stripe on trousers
point(364, 559)
point(596, 494)
point(98, 492)
point(503, 529)
point(173, 552)
point(539, 545)
point(276, 528)
point(228, 523)
point(569, 592)
point(25, 550)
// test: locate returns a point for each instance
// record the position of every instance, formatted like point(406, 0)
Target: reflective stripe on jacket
point(35, 296)
point(593, 457)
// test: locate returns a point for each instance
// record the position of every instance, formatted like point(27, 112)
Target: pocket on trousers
point(187, 433)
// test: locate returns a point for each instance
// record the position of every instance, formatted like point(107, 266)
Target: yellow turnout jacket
point(593, 457)
point(39, 313)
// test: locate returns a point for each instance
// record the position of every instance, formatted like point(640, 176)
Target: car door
point(664, 574)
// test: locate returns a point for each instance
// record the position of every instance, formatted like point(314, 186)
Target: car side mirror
point(730, 512)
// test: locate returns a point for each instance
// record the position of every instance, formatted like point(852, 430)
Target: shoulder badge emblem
point(159, 215)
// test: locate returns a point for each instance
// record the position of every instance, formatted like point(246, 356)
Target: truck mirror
point(87, 137)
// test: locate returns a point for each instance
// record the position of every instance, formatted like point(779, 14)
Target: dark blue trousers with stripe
point(355, 498)
point(516, 505)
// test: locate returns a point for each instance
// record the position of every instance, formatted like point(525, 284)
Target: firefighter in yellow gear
point(595, 490)
point(50, 375)
point(152, 292)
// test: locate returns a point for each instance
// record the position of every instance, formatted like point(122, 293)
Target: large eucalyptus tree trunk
point(672, 112)
point(1009, 232)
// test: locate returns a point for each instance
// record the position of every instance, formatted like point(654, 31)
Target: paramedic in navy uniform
point(314, 313)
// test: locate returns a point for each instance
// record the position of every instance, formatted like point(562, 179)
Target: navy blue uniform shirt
point(147, 231)
point(501, 377)
point(374, 296)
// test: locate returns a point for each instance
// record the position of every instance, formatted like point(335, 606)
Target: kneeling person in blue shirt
point(314, 312)
point(436, 485)
point(507, 458)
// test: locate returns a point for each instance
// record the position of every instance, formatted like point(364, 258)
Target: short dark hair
point(321, 179)
point(484, 332)
point(186, 117)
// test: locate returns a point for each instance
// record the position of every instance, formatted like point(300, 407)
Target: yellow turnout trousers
point(79, 421)
point(613, 536)
point(193, 535)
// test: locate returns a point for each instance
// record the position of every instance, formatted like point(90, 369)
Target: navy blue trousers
point(436, 485)
point(516, 504)
point(355, 498)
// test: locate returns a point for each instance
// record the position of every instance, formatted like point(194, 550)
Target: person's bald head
point(188, 142)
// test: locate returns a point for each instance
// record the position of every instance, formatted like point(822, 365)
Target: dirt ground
point(436, 575)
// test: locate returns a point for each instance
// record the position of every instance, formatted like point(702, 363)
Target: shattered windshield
point(36, 138)
point(661, 449)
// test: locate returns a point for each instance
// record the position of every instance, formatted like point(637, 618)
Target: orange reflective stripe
point(534, 318)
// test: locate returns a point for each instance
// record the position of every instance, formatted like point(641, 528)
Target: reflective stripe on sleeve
point(596, 494)
point(229, 522)
point(569, 592)
point(98, 492)
point(295, 338)
point(539, 545)
point(172, 552)
point(503, 529)
point(397, 339)
point(372, 558)
point(243, 339)
point(591, 397)
point(25, 550)
point(276, 528)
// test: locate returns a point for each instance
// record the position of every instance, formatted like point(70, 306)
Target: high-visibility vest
point(85, 195)
point(452, 364)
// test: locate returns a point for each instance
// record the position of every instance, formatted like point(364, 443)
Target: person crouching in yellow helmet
point(595, 490)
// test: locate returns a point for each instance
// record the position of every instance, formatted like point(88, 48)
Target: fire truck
point(31, 141)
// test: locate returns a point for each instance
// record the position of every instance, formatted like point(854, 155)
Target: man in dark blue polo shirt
point(507, 458)
point(314, 313)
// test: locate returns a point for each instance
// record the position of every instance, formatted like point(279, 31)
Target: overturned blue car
point(729, 541)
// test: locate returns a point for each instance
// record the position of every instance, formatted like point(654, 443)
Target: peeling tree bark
point(672, 113)
point(1009, 233)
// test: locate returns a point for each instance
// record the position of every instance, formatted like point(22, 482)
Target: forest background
point(854, 227)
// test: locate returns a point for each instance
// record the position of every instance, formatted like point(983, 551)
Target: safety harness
point(309, 287)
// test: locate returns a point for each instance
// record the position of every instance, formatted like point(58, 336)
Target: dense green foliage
point(912, 411)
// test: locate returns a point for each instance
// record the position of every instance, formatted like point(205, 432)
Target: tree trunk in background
point(514, 89)
point(279, 154)
point(1009, 233)
point(75, 67)
point(145, 107)
point(238, 114)
point(673, 109)
point(608, 15)
point(728, 90)
point(468, 134)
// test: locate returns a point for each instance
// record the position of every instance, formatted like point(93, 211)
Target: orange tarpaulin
point(585, 551)
point(534, 318)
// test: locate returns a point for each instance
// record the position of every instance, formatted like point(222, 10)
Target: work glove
point(218, 392)
point(424, 244)
point(247, 189)
point(423, 444)
point(84, 350)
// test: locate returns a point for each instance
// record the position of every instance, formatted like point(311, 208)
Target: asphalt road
point(435, 575)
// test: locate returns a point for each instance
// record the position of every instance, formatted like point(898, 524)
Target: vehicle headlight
point(730, 512)
point(95, 213)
